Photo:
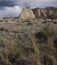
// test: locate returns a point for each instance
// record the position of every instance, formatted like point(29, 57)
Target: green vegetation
point(17, 52)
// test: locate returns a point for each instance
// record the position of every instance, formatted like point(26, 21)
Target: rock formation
point(39, 13)
point(46, 13)
point(27, 13)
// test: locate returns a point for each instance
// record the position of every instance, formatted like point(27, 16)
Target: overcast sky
point(11, 8)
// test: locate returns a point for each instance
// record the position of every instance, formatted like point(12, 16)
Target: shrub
point(49, 30)
point(41, 36)
point(17, 52)
point(15, 55)
point(55, 42)
point(1, 21)
point(47, 33)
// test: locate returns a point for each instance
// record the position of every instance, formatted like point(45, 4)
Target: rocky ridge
point(49, 13)
point(42, 13)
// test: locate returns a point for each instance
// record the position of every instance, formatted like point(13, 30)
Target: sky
point(12, 8)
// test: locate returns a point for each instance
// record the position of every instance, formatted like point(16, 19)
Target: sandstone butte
point(44, 13)
point(27, 13)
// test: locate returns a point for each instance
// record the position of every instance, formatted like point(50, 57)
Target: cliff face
point(46, 13)
point(27, 13)
point(39, 13)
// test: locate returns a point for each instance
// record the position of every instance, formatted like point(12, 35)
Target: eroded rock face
point(27, 13)
point(39, 13)
point(46, 13)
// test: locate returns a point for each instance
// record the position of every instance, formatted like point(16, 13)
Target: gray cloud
point(35, 3)
point(31, 3)
point(10, 11)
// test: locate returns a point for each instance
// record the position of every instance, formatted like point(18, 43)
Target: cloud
point(32, 3)
point(4, 3)
point(35, 3)
point(10, 11)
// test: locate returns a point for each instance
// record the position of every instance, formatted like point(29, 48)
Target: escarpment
point(39, 13)
point(48, 13)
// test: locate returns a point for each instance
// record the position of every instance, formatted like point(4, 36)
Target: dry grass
point(36, 50)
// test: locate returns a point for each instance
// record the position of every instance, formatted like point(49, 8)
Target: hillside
point(29, 39)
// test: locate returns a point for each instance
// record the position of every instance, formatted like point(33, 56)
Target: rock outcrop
point(27, 13)
point(46, 13)
point(42, 13)
point(39, 13)
point(51, 12)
